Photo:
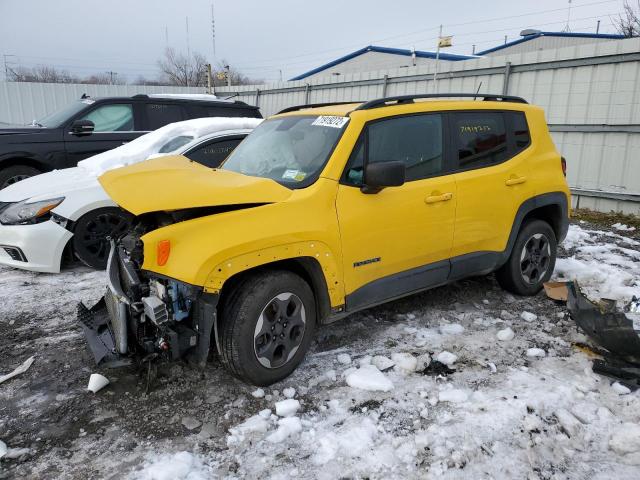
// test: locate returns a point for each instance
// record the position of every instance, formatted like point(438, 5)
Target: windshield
point(290, 150)
point(57, 118)
point(175, 143)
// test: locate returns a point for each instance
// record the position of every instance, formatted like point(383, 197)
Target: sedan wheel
point(92, 234)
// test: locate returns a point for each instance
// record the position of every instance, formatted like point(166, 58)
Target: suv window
point(521, 134)
point(161, 114)
point(211, 154)
point(111, 118)
point(415, 140)
point(480, 139)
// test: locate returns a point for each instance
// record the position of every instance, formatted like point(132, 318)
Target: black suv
point(93, 125)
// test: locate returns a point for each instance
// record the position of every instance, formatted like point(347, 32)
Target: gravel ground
point(496, 413)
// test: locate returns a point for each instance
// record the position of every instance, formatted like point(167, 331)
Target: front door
point(398, 240)
point(114, 125)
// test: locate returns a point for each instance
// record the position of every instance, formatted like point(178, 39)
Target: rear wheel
point(267, 324)
point(16, 173)
point(532, 259)
point(92, 231)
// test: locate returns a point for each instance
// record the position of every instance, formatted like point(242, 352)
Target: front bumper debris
point(95, 324)
point(610, 327)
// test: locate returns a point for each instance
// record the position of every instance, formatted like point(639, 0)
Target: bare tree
point(628, 22)
point(41, 73)
point(179, 69)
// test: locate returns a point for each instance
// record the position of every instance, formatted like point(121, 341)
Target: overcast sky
point(260, 38)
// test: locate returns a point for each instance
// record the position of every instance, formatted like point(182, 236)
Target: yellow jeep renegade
point(322, 211)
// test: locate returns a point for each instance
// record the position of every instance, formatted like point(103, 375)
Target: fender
point(319, 251)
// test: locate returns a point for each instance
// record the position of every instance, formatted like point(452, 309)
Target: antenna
point(213, 31)
point(567, 28)
point(188, 47)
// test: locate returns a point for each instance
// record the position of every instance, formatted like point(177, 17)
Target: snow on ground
point(372, 399)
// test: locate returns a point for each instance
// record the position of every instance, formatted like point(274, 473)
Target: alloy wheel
point(279, 330)
point(535, 258)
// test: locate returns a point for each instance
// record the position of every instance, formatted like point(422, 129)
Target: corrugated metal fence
point(591, 95)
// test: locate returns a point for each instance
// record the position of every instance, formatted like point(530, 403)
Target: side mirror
point(383, 174)
point(81, 128)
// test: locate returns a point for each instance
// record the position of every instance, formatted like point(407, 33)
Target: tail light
point(164, 249)
point(563, 162)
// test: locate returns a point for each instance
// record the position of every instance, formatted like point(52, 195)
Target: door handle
point(515, 181)
point(439, 198)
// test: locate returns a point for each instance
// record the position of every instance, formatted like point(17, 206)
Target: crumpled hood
point(175, 183)
point(58, 183)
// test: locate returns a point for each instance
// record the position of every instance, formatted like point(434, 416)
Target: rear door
point(159, 114)
point(114, 124)
point(490, 151)
point(397, 240)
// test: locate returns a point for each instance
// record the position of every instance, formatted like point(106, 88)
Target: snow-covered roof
point(143, 147)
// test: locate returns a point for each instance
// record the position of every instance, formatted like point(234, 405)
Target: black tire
point(532, 259)
point(16, 173)
point(267, 324)
point(90, 244)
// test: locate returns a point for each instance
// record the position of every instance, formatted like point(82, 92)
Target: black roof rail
point(381, 102)
point(141, 95)
point(315, 105)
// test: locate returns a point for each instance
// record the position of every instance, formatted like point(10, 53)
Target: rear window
point(521, 134)
point(480, 139)
point(161, 114)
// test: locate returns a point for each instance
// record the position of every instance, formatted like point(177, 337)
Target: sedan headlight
point(27, 212)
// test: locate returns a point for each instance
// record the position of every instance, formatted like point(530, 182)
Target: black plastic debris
point(624, 373)
point(437, 368)
point(99, 337)
point(610, 327)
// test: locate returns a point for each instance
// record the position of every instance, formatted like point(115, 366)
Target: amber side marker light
point(164, 249)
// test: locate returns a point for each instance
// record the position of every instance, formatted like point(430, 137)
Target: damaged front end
point(144, 316)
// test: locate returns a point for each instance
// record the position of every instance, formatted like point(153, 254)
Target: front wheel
point(532, 259)
point(267, 324)
point(15, 174)
point(92, 232)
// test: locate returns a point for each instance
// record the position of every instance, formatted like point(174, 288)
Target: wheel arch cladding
point(552, 208)
point(308, 268)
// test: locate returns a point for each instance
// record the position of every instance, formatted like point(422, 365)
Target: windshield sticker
point(296, 175)
point(330, 121)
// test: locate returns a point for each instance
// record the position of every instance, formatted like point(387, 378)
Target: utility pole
point(6, 66)
point(186, 19)
point(111, 75)
point(209, 78)
point(435, 73)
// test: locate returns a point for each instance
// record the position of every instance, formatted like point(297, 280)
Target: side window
point(111, 118)
point(355, 165)
point(415, 140)
point(212, 154)
point(480, 139)
point(161, 114)
point(521, 134)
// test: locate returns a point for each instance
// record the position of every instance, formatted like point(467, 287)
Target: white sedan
point(66, 211)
